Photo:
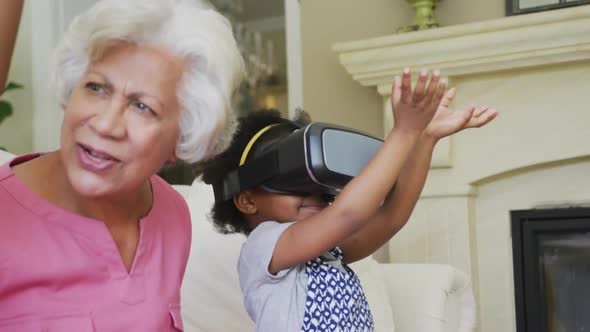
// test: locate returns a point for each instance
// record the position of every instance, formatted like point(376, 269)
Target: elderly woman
point(90, 238)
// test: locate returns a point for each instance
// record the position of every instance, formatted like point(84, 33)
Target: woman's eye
point(94, 86)
point(144, 108)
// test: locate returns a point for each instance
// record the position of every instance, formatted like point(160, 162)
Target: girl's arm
point(363, 195)
point(398, 207)
point(10, 13)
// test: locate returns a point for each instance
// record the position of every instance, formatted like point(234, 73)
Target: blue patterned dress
point(335, 300)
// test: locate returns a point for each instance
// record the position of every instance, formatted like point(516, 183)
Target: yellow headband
point(253, 140)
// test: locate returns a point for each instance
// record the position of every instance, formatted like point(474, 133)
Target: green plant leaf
point(13, 86)
point(5, 110)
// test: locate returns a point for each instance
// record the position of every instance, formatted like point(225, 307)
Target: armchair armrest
point(184, 190)
point(5, 156)
point(430, 298)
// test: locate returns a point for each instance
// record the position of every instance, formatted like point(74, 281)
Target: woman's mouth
point(95, 160)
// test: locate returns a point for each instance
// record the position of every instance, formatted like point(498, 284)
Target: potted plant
point(424, 18)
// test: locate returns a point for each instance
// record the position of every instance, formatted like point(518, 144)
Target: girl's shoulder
point(261, 243)
point(267, 231)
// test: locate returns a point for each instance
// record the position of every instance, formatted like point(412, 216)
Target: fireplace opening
point(551, 255)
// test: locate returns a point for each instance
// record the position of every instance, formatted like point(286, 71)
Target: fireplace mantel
point(514, 42)
point(480, 49)
point(534, 68)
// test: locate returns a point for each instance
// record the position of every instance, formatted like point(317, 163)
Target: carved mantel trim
point(514, 42)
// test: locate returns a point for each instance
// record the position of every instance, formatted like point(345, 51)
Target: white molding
point(269, 24)
point(514, 42)
point(294, 54)
point(456, 191)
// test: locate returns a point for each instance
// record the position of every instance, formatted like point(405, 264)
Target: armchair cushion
point(5, 156)
point(374, 282)
point(211, 295)
point(430, 298)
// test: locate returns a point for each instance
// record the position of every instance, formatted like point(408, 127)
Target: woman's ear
point(244, 202)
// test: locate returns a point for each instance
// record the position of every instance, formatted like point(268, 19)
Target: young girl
point(293, 267)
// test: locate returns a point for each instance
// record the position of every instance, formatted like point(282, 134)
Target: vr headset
point(317, 158)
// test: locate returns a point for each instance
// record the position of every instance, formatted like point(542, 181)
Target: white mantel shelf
point(514, 42)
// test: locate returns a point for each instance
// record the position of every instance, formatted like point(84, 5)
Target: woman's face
point(121, 120)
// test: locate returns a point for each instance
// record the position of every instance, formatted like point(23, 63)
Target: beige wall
point(329, 93)
point(451, 12)
point(16, 132)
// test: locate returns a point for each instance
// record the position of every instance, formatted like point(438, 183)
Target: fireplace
point(551, 255)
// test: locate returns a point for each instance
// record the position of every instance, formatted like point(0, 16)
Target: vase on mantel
point(424, 18)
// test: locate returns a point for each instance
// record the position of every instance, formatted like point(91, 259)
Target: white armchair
point(5, 156)
point(403, 297)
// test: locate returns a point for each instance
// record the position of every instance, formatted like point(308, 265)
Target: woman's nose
point(110, 121)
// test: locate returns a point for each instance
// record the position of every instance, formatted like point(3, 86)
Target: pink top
point(62, 272)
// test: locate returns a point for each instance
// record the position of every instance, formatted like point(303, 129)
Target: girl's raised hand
point(447, 122)
point(413, 109)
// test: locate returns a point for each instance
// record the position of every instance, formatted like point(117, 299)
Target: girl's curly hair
point(225, 215)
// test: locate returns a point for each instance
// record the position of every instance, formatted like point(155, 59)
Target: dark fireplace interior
point(551, 254)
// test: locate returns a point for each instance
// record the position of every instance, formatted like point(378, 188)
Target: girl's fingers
point(483, 119)
point(489, 116)
point(420, 88)
point(438, 95)
point(396, 90)
point(432, 86)
point(468, 117)
point(480, 111)
point(448, 98)
point(406, 86)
